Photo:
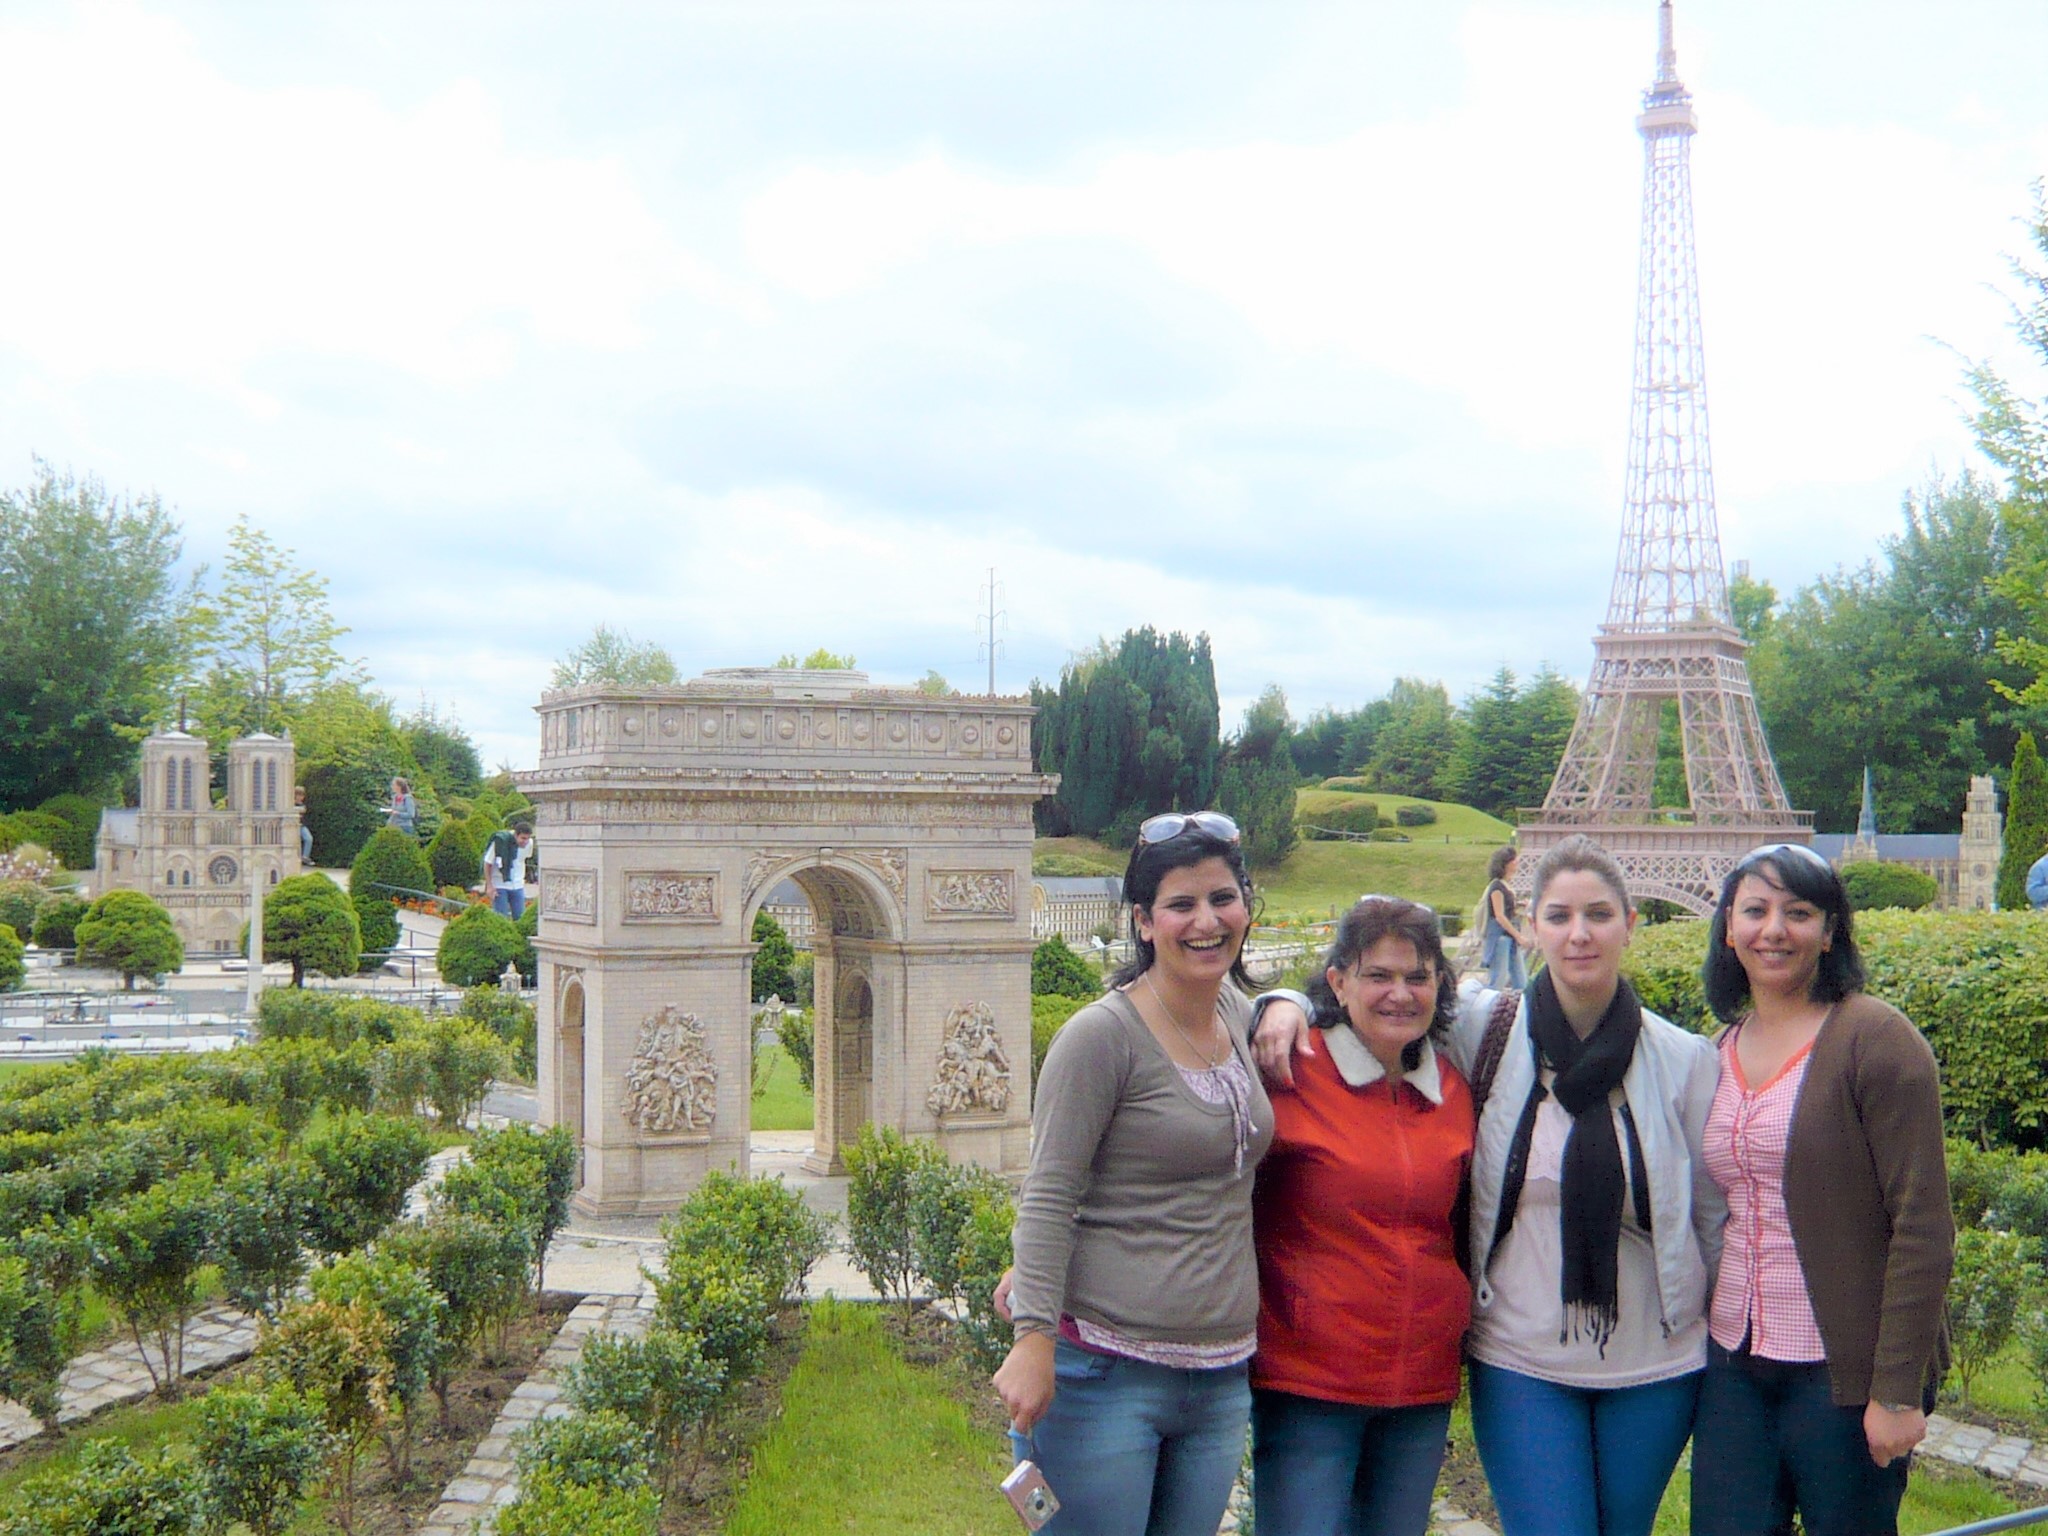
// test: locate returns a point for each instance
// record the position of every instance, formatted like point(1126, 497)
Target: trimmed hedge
point(1975, 982)
point(1361, 817)
point(455, 856)
point(390, 858)
point(1874, 884)
point(1415, 815)
point(477, 947)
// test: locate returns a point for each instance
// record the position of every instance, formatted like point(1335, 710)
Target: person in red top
point(1363, 1303)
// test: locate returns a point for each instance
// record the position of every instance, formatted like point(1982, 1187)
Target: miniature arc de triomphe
point(666, 815)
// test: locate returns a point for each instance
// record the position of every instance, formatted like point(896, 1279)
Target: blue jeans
point(510, 900)
point(1504, 967)
point(1337, 1469)
point(1579, 1461)
point(1132, 1449)
point(1767, 1426)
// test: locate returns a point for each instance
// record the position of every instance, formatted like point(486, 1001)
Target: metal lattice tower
point(1668, 633)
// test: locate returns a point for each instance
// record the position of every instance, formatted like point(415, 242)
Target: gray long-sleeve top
point(1134, 1214)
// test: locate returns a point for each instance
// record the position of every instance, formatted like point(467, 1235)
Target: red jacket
point(1361, 1298)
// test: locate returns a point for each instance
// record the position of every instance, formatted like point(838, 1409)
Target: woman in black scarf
point(1595, 1229)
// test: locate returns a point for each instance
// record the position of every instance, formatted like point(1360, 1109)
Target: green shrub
point(1047, 1015)
point(57, 922)
point(663, 1381)
point(534, 1170)
point(882, 1167)
point(20, 900)
point(1415, 815)
point(415, 1318)
point(1978, 1178)
point(146, 1254)
point(548, 1505)
point(724, 1306)
point(259, 1450)
point(389, 859)
point(336, 1353)
point(773, 957)
point(508, 1016)
point(448, 1062)
point(366, 1163)
point(82, 817)
point(108, 1491)
point(455, 856)
point(70, 843)
point(1348, 785)
point(1361, 817)
point(477, 947)
point(261, 1222)
point(1873, 884)
point(40, 1308)
point(336, 1019)
point(1389, 835)
point(604, 1449)
point(1985, 1292)
point(13, 961)
point(2026, 823)
point(797, 1031)
point(1056, 971)
point(309, 920)
point(942, 1200)
point(762, 1222)
point(984, 1258)
point(478, 1266)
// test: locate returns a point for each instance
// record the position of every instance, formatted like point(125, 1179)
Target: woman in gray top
point(1136, 1292)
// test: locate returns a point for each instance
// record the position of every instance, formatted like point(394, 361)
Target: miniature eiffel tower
point(1668, 633)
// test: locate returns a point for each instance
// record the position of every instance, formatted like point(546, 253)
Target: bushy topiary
point(309, 921)
point(1873, 883)
point(1057, 970)
point(762, 1222)
point(57, 921)
point(1361, 817)
point(12, 966)
point(129, 933)
point(455, 856)
point(390, 863)
point(1415, 815)
point(477, 947)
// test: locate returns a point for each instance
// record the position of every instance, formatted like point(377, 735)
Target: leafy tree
point(390, 862)
point(1057, 971)
point(349, 750)
point(146, 1254)
point(478, 1268)
point(108, 1491)
point(12, 965)
point(613, 656)
point(2026, 823)
point(1412, 750)
point(89, 632)
point(935, 685)
point(476, 947)
point(762, 1222)
point(260, 1448)
point(1990, 1282)
point(446, 755)
point(820, 660)
point(1753, 605)
point(127, 932)
point(1874, 883)
point(415, 1316)
point(772, 960)
point(41, 1317)
point(663, 1381)
point(337, 1354)
point(882, 1167)
point(366, 1163)
point(265, 639)
point(69, 824)
point(20, 900)
point(1257, 780)
point(262, 1219)
point(57, 920)
point(309, 921)
point(1134, 729)
point(1510, 739)
point(455, 855)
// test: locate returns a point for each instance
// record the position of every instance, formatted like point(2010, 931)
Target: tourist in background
point(305, 831)
point(504, 869)
point(1363, 1300)
point(1828, 1318)
point(1502, 938)
point(1135, 1292)
point(2037, 883)
point(1594, 1228)
point(405, 810)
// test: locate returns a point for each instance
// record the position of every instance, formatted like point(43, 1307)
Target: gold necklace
point(1174, 1020)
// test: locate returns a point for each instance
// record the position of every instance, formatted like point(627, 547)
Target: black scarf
point(1587, 1071)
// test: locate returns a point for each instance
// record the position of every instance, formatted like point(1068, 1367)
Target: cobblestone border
point(489, 1480)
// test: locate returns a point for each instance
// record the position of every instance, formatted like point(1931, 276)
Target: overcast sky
point(753, 327)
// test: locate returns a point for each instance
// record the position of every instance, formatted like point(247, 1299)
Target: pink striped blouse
point(1761, 1293)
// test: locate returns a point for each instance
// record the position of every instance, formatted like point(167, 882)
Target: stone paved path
point(490, 1480)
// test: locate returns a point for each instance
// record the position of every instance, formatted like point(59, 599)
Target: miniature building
point(194, 859)
point(1965, 868)
point(1074, 906)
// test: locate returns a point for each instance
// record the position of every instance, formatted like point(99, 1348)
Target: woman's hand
point(1001, 1299)
point(1283, 1030)
point(1024, 1380)
point(1892, 1433)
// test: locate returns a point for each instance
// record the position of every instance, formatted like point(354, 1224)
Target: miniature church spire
point(1866, 821)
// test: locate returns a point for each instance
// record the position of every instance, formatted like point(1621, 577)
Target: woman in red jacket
point(1362, 1301)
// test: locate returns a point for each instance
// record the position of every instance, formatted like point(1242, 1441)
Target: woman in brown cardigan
point(1827, 1338)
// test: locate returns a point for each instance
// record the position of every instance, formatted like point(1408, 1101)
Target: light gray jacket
point(1670, 1088)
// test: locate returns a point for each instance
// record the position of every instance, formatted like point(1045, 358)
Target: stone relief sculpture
point(569, 893)
point(672, 1084)
point(970, 893)
point(974, 1070)
point(657, 896)
point(892, 864)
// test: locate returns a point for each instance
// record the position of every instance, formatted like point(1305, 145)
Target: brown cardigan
point(1866, 1188)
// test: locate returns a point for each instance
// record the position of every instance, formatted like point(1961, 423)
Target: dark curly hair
point(1387, 917)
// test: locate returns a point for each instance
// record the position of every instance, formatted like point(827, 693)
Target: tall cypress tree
point(2026, 823)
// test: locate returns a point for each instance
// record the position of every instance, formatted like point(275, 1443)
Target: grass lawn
point(785, 1104)
point(868, 1445)
point(1460, 823)
point(1319, 880)
point(1107, 860)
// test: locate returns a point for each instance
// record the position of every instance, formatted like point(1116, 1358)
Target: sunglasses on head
point(1164, 828)
point(1771, 850)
